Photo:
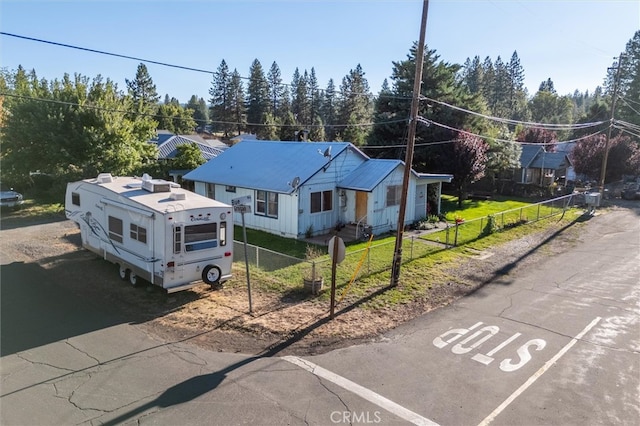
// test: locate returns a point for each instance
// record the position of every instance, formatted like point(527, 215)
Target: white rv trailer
point(153, 230)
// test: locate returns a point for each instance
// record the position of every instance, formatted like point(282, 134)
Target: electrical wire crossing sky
point(571, 42)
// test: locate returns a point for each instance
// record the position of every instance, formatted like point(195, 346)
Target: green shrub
point(491, 226)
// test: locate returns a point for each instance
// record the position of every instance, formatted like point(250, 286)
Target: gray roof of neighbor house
point(528, 154)
point(535, 157)
point(168, 144)
point(269, 165)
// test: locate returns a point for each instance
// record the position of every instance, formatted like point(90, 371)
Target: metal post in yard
point(538, 218)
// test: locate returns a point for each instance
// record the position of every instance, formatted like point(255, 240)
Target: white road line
point(361, 391)
point(538, 373)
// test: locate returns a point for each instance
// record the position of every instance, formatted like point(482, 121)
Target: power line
point(444, 126)
point(547, 126)
point(150, 61)
point(102, 52)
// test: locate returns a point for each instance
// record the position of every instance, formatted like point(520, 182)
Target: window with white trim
point(321, 201)
point(267, 203)
point(394, 194)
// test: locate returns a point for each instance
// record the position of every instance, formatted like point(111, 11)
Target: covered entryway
point(361, 205)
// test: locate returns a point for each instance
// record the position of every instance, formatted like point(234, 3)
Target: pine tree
point(220, 102)
point(330, 110)
point(237, 107)
point(355, 107)
point(143, 91)
point(200, 111)
point(257, 96)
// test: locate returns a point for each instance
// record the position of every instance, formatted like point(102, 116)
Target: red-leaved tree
point(468, 163)
point(623, 159)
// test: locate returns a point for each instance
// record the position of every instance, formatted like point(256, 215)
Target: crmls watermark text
point(352, 417)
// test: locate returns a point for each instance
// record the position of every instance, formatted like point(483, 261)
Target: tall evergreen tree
point(221, 98)
point(330, 110)
point(143, 91)
point(439, 82)
point(315, 107)
point(237, 107)
point(276, 89)
point(200, 111)
point(517, 96)
point(628, 103)
point(355, 107)
point(257, 96)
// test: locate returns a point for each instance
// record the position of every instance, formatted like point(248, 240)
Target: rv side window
point(115, 229)
point(223, 233)
point(138, 233)
point(177, 239)
point(200, 237)
point(75, 199)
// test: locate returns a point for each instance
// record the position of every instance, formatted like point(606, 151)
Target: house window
point(230, 188)
point(75, 199)
point(267, 203)
point(211, 190)
point(200, 237)
point(321, 201)
point(394, 193)
point(138, 233)
point(115, 229)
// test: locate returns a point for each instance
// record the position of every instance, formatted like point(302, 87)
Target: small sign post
point(337, 253)
point(242, 205)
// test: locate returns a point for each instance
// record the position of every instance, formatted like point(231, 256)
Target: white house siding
point(383, 218)
point(325, 180)
point(286, 224)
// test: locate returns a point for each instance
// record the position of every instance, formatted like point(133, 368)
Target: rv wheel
point(211, 275)
point(133, 279)
point(123, 272)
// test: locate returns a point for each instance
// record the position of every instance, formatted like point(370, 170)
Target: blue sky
point(571, 42)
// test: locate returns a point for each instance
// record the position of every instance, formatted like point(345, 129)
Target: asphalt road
point(558, 343)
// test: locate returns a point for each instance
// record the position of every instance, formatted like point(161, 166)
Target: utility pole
point(408, 160)
point(605, 157)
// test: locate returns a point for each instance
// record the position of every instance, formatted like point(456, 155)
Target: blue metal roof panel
point(267, 165)
point(369, 174)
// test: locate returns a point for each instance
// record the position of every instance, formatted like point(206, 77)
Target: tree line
point(75, 127)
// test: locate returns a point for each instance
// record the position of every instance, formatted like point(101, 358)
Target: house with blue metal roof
point(303, 189)
point(539, 167)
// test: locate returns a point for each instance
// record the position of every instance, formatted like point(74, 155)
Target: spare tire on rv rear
point(211, 275)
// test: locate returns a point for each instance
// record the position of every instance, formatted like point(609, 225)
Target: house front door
point(361, 205)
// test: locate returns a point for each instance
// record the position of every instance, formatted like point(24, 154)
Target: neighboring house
point(539, 167)
point(299, 189)
point(168, 143)
point(242, 137)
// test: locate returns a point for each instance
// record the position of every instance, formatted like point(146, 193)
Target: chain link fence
point(294, 272)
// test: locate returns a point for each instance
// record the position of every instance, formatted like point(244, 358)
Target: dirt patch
point(295, 324)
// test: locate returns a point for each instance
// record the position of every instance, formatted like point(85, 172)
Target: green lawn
point(472, 209)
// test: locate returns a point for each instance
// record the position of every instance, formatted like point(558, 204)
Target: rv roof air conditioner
point(178, 196)
point(104, 178)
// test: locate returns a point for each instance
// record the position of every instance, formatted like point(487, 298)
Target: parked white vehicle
point(153, 230)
